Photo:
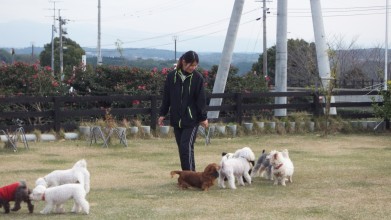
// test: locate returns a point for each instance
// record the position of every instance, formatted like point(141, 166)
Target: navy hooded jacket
point(185, 99)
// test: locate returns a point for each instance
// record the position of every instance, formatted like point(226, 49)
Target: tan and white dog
point(282, 166)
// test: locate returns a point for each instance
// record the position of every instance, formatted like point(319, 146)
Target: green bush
point(384, 111)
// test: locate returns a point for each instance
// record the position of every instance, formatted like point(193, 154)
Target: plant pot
point(281, 124)
point(121, 130)
point(164, 130)
point(29, 137)
point(48, 137)
point(133, 130)
point(248, 126)
point(292, 126)
point(212, 130)
point(354, 124)
point(3, 138)
point(232, 129)
point(85, 131)
point(311, 126)
point(71, 136)
point(271, 125)
point(261, 125)
point(146, 130)
point(363, 125)
point(220, 129)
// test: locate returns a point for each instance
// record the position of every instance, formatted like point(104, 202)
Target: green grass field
point(338, 177)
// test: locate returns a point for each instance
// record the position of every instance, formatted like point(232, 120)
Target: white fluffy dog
point(56, 196)
point(77, 174)
point(236, 166)
point(282, 166)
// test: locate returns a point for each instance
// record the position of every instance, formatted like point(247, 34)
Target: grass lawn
point(338, 177)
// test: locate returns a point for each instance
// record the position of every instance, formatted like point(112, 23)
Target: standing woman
point(184, 97)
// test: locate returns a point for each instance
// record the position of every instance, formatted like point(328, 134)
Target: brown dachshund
point(202, 180)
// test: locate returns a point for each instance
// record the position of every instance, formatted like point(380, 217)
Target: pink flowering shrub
point(25, 79)
point(129, 80)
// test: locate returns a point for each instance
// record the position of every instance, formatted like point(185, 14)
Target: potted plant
point(85, 129)
point(220, 127)
point(135, 124)
point(248, 126)
point(232, 128)
point(164, 130)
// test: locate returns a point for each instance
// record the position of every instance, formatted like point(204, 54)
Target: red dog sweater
point(7, 192)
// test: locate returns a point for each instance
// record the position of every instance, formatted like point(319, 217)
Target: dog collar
point(279, 166)
point(43, 197)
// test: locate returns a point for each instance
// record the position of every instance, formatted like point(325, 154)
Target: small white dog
point(77, 174)
point(282, 166)
point(237, 166)
point(56, 196)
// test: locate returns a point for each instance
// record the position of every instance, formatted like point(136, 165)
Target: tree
point(301, 61)
point(5, 56)
point(384, 111)
point(72, 54)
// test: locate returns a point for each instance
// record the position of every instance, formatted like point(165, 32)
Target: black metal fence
point(55, 113)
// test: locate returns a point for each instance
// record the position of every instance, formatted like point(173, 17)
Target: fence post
point(317, 104)
point(153, 112)
point(57, 109)
point(239, 108)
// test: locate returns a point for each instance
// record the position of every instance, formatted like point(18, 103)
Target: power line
point(298, 12)
point(192, 29)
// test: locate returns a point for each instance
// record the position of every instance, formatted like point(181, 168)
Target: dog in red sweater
point(18, 192)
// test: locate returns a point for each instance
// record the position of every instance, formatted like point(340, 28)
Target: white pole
point(386, 50)
point(321, 49)
point(99, 57)
point(226, 57)
point(281, 55)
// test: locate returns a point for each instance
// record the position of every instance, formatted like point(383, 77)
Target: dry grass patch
point(339, 177)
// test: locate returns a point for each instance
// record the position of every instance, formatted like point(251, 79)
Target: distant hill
point(243, 61)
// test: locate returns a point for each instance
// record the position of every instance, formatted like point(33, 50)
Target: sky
point(199, 25)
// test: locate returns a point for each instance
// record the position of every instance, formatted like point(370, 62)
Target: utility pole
point(62, 32)
point(12, 55)
point(386, 51)
point(264, 57)
point(99, 57)
point(265, 11)
point(53, 30)
point(32, 52)
point(175, 38)
point(52, 58)
point(61, 52)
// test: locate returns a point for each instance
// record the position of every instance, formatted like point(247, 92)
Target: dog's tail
point(175, 172)
point(81, 163)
